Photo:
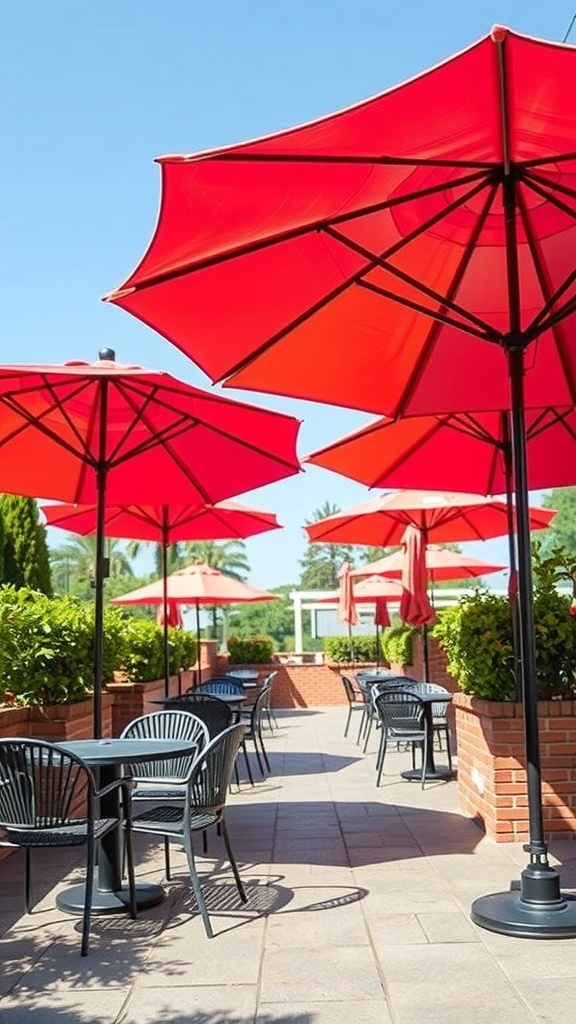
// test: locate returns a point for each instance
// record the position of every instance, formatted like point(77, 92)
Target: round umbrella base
point(118, 902)
point(510, 914)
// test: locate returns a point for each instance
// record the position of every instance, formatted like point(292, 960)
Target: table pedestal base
point(118, 902)
point(431, 775)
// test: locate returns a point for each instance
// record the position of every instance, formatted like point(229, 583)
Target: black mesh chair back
point(204, 806)
point(216, 714)
point(223, 686)
point(440, 726)
point(402, 718)
point(49, 798)
point(164, 725)
point(268, 687)
point(254, 731)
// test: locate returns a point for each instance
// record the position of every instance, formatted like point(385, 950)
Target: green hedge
point(250, 650)
point(360, 648)
point(397, 642)
point(47, 648)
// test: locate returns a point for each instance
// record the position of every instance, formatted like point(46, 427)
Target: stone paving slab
point(357, 912)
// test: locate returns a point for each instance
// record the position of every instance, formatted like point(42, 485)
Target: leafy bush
point(46, 648)
point(341, 648)
point(250, 650)
point(397, 644)
point(476, 636)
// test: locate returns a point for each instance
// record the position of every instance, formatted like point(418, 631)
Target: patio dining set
point(406, 713)
point(168, 775)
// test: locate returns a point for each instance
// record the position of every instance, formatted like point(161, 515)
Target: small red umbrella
point(441, 564)
point(103, 433)
point(346, 607)
point(169, 614)
point(415, 608)
point(195, 585)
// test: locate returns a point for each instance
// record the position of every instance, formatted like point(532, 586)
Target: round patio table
point(111, 896)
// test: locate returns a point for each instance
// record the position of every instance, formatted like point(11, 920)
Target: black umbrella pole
point(100, 572)
point(534, 907)
point(165, 605)
point(425, 653)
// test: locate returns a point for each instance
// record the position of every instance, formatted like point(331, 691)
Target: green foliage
point(562, 533)
point(250, 650)
point(359, 648)
point(46, 648)
point(142, 657)
point(476, 635)
point(271, 618)
point(322, 562)
point(25, 553)
point(397, 644)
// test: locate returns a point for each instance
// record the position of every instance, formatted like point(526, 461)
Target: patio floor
point(358, 913)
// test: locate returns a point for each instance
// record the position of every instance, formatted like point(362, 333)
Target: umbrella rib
point(544, 161)
point(286, 236)
point(426, 349)
point(550, 192)
point(378, 161)
point(36, 420)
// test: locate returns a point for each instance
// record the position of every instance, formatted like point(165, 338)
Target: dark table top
point(124, 751)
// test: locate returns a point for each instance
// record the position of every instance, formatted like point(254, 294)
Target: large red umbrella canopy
point(404, 216)
point(441, 517)
point(374, 587)
point(102, 433)
point(441, 564)
point(153, 435)
point(468, 451)
point(226, 520)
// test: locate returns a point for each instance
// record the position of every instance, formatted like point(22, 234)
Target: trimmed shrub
point(342, 648)
point(397, 644)
point(250, 650)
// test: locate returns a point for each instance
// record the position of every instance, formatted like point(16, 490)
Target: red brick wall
point(491, 766)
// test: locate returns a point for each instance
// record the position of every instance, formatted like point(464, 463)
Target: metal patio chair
point(206, 790)
point(402, 720)
point(50, 798)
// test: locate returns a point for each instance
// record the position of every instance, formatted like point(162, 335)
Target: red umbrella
point(165, 524)
point(415, 608)
point(441, 564)
point(378, 589)
point(444, 279)
point(197, 584)
point(465, 451)
point(346, 606)
point(106, 433)
point(442, 517)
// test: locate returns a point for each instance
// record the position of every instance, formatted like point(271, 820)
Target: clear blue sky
point(92, 92)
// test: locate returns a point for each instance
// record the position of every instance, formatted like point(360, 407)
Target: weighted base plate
point(147, 895)
point(509, 914)
point(415, 774)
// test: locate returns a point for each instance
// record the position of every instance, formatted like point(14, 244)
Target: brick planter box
point(55, 722)
point(491, 766)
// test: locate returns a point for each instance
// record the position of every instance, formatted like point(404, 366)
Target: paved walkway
point(358, 913)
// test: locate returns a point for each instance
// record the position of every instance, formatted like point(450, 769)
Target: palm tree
point(73, 564)
point(174, 554)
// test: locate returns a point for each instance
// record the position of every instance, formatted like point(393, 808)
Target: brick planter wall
point(130, 700)
point(491, 766)
point(55, 721)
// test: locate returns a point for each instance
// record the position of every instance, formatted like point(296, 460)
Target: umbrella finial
point(107, 353)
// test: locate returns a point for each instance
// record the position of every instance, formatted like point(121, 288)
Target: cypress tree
point(26, 560)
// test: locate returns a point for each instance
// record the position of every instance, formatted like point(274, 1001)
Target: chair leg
point(167, 860)
point(448, 751)
point(28, 881)
point(129, 850)
point(232, 860)
point(247, 763)
point(367, 732)
point(196, 887)
point(381, 755)
point(88, 889)
point(263, 748)
point(424, 759)
point(348, 721)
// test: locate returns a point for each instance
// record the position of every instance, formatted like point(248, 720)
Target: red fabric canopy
point(165, 523)
point(196, 584)
point(401, 212)
point(441, 564)
point(464, 451)
point(415, 608)
point(170, 616)
point(442, 517)
point(346, 606)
